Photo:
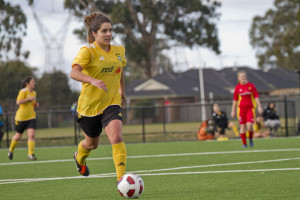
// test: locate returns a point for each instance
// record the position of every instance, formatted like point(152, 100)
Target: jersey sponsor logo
point(245, 93)
point(107, 69)
point(118, 70)
point(101, 58)
point(110, 69)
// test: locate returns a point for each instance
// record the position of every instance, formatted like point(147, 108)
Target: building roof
point(220, 83)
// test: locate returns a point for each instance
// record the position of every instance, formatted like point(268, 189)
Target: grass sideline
point(173, 170)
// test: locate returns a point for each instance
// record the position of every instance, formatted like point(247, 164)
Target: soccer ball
point(131, 186)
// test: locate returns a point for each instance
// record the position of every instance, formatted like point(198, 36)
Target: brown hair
point(93, 22)
point(25, 81)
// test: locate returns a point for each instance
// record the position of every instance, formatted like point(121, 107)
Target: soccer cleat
point(82, 169)
point(251, 143)
point(10, 155)
point(32, 157)
point(244, 146)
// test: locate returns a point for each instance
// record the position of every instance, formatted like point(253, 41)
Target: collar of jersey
point(96, 45)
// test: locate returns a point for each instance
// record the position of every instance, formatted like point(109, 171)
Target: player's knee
point(93, 146)
point(117, 138)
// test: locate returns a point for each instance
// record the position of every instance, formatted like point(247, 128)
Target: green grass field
point(173, 170)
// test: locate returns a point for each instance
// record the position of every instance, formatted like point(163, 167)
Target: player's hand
point(232, 114)
point(99, 84)
point(31, 98)
point(260, 110)
point(36, 105)
point(123, 97)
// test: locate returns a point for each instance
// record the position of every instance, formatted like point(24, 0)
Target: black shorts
point(22, 125)
point(92, 126)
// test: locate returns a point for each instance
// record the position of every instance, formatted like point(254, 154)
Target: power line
point(54, 43)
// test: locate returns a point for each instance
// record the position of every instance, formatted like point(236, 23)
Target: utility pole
point(202, 94)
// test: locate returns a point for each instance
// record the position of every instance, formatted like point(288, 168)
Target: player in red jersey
point(246, 99)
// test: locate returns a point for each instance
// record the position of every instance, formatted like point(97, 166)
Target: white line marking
point(222, 164)
point(158, 174)
point(8, 181)
point(226, 171)
point(153, 156)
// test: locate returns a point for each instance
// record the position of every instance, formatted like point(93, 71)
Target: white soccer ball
point(131, 186)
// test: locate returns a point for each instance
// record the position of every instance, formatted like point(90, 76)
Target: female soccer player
point(25, 117)
point(99, 66)
point(246, 98)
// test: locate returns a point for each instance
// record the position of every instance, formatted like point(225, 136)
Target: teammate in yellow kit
point(99, 66)
point(25, 117)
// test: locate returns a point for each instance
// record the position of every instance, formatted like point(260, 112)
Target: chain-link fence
point(143, 124)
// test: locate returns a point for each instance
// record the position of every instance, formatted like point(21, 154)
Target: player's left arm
point(122, 83)
point(36, 104)
point(256, 97)
point(259, 108)
point(122, 87)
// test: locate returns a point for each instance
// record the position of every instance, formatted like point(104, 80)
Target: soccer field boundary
point(153, 156)
point(143, 172)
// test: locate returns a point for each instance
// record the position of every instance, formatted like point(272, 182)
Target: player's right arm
point(82, 59)
point(234, 102)
point(21, 98)
point(77, 75)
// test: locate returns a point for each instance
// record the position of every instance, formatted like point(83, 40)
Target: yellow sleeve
point(83, 58)
point(124, 61)
point(21, 95)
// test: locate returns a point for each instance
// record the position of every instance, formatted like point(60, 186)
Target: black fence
point(143, 124)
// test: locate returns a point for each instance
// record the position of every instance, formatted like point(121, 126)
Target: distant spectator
point(1, 124)
point(206, 130)
point(271, 119)
point(258, 124)
point(74, 109)
point(221, 122)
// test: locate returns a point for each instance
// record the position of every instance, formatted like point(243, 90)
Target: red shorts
point(246, 115)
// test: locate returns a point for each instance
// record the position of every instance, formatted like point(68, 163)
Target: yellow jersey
point(105, 66)
point(26, 110)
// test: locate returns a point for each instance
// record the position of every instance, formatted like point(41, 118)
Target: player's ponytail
point(93, 22)
point(25, 81)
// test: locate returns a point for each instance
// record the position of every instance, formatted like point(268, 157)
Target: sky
point(233, 29)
